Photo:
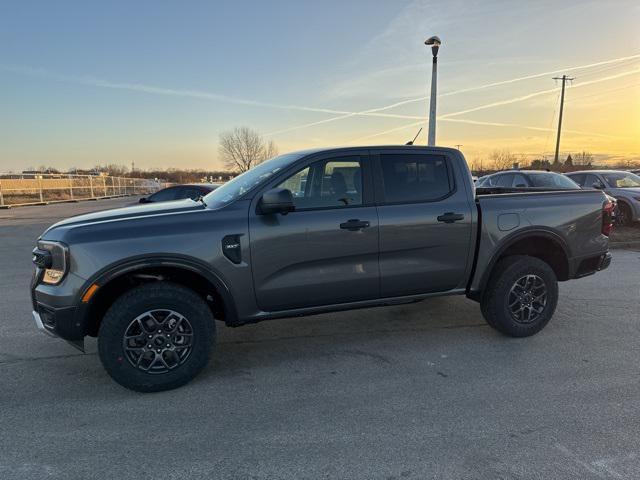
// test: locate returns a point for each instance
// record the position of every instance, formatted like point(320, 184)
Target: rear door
point(326, 251)
point(425, 222)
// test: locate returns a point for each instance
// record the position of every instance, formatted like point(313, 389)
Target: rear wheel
point(156, 337)
point(521, 296)
point(624, 215)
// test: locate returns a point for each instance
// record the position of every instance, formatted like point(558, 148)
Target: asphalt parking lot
point(408, 392)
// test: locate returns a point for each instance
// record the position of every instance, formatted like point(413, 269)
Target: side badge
point(231, 248)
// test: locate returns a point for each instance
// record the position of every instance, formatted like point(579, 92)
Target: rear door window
point(412, 178)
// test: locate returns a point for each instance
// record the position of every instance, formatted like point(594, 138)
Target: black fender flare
point(139, 262)
point(515, 237)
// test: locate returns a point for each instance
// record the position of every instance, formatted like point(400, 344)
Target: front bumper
point(59, 323)
point(40, 325)
point(54, 311)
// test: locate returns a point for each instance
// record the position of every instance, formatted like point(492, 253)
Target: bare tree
point(243, 148)
point(583, 158)
point(502, 159)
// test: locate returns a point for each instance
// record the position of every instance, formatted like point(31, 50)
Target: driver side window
point(327, 184)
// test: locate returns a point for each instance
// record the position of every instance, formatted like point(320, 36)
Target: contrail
point(156, 90)
point(490, 124)
point(447, 117)
point(455, 92)
point(403, 127)
point(536, 94)
point(528, 127)
point(341, 114)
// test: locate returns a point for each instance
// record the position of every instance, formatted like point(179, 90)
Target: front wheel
point(156, 337)
point(521, 296)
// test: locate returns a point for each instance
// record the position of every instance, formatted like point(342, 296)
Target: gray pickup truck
point(304, 233)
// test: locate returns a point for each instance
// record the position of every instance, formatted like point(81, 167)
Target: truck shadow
point(380, 336)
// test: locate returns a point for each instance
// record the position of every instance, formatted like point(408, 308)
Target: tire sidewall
point(624, 214)
point(498, 308)
point(136, 302)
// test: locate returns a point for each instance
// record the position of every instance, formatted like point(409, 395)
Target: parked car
point(179, 192)
point(624, 186)
point(369, 226)
point(527, 179)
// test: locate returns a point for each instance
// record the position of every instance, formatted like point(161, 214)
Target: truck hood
point(136, 211)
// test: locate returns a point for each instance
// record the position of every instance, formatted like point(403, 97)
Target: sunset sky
point(83, 83)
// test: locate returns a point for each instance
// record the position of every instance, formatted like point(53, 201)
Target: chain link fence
point(34, 189)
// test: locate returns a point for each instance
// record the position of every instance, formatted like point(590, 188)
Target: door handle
point(354, 224)
point(450, 217)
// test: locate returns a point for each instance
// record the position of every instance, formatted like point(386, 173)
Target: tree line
point(504, 160)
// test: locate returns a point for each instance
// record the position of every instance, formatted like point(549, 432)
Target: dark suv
point(304, 233)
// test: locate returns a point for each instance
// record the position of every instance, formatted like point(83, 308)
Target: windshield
point(249, 180)
point(622, 179)
point(552, 180)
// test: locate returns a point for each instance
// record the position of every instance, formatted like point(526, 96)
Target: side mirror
point(598, 185)
point(144, 200)
point(277, 200)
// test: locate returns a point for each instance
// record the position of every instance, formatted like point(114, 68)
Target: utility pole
point(564, 79)
point(458, 145)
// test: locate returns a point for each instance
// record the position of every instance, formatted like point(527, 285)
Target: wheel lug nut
point(150, 336)
point(158, 350)
point(149, 346)
point(168, 345)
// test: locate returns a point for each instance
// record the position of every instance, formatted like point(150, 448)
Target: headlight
point(53, 257)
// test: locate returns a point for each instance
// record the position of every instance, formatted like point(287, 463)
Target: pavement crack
point(17, 359)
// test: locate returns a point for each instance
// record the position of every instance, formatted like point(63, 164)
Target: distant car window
point(164, 195)
point(519, 181)
point(622, 179)
point(414, 178)
point(504, 180)
point(552, 180)
point(327, 183)
point(590, 180)
point(193, 192)
point(578, 178)
point(482, 182)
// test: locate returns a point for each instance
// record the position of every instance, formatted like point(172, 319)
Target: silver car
point(624, 186)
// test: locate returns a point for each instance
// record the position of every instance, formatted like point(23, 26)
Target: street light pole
point(434, 43)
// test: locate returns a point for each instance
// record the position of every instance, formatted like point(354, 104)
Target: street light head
point(433, 42)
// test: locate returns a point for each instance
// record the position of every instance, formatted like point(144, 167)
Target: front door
point(425, 223)
point(326, 251)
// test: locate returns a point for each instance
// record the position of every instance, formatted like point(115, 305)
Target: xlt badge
point(231, 248)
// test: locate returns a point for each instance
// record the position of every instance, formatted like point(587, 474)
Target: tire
point(513, 302)
point(624, 215)
point(152, 315)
